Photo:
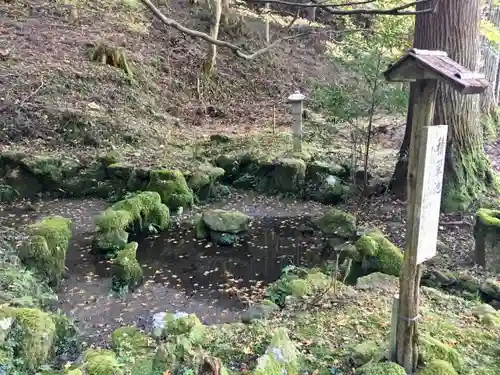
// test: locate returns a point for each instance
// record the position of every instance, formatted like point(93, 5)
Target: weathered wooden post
point(296, 100)
point(425, 179)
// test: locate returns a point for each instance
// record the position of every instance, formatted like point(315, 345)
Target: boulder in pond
point(142, 212)
point(221, 226)
point(126, 270)
point(172, 187)
point(338, 223)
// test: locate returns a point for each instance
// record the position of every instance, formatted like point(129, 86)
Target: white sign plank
point(430, 203)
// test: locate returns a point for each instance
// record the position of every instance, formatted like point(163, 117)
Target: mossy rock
point(233, 222)
point(8, 194)
point(431, 349)
point(378, 281)
point(172, 187)
point(24, 182)
point(368, 351)
point(33, 333)
point(381, 368)
point(127, 272)
point(202, 181)
point(438, 367)
point(338, 223)
point(487, 315)
point(259, 311)
point(90, 181)
point(142, 212)
point(101, 362)
point(130, 340)
point(281, 356)
point(491, 288)
point(288, 176)
point(68, 342)
point(181, 323)
point(379, 254)
point(51, 171)
point(489, 217)
point(201, 231)
point(46, 247)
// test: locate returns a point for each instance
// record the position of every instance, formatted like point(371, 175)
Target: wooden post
point(267, 26)
point(296, 100)
point(409, 294)
point(394, 324)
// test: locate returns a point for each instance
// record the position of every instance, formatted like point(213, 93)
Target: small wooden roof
point(426, 64)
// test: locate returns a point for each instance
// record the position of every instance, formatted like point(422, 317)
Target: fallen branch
point(396, 11)
point(220, 43)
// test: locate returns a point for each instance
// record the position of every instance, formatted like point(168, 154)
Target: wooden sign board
point(434, 146)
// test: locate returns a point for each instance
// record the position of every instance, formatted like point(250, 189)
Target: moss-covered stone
point(33, 333)
point(288, 176)
point(368, 351)
point(7, 193)
point(259, 311)
point(201, 230)
point(127, 272)
point(381, 368)
point(226, 221)
point(101, 362)
point(67, 341)
point(139, 213)
point(130, 340)
point(172, 187)
point(379, 254)
point(280, 357)
point(23, 181)
point(202, 181)
point(45, 249)
point(438, 367)
point(180, 323)
point(338, 223)
point(431, 349)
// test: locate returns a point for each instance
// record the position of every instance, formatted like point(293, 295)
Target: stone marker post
point(296, 100)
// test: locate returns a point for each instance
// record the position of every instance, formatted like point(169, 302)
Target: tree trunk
point(211, 60)
point(454, 28)
point(491, 59)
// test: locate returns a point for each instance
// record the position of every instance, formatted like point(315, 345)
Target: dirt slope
point(53, 96)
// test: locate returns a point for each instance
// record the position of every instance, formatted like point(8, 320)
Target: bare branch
point(236, 50)
point(396, 11)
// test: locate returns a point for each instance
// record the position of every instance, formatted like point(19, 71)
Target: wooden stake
point(409, 296)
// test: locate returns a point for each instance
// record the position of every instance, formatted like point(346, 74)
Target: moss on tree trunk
point(453, 28)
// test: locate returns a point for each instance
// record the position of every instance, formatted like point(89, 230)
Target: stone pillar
point(487, 237)
point(296, 100)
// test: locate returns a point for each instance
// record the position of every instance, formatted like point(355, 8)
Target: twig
point(236, 50)
point(396, 11)
point(32, 94)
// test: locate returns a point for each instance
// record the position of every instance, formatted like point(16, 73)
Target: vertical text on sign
point(430, 204)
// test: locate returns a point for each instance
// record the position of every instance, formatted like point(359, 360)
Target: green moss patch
point(45, 250)
point(339, 223)
point(438, 367)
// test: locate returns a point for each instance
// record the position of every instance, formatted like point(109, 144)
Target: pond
point(181, 272)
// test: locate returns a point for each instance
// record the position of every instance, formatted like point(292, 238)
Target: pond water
point(181, 273)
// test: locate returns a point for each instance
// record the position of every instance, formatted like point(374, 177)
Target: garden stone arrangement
point(355, 268)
